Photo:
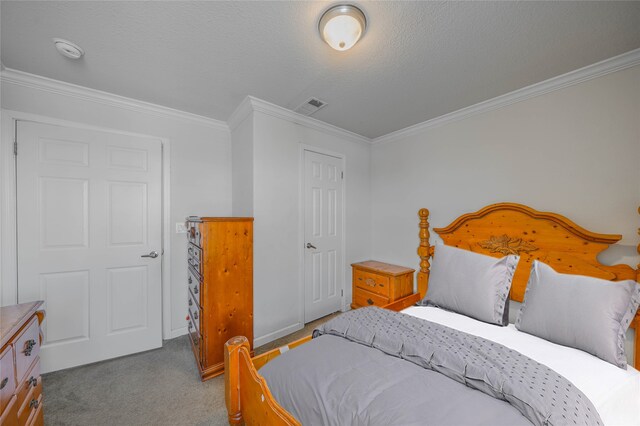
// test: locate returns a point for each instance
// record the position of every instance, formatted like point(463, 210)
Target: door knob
point(311, 246)
point(152, 255)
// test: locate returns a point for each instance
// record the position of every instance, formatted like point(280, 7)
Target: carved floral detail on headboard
point(507, 245)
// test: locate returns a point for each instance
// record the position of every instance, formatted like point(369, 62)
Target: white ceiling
point(417, 60)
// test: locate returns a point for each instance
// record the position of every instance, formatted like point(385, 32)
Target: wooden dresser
point(378, 283)
point(220, 281)
point(20, 381)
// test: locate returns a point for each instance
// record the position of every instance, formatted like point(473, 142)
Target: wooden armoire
point(220, 287)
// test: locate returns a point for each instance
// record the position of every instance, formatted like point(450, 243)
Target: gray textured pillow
point(582, 312)
point(471, 284)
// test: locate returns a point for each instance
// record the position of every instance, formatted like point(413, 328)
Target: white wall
point(574, 151)
point(200, 164)
point(242, 167)
point(278, 287)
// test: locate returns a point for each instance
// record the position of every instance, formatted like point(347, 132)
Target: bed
point(497, 230)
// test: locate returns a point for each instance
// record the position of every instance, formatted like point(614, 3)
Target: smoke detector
point(68, 49)
point(310, 106)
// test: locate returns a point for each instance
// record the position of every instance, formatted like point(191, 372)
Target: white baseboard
point(176, 333)
point(270, 337)
point(258, 341)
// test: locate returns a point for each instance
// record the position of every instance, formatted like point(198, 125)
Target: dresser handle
point(29, 347)
point(32, 382)
point(4, 382)
point(34, 403)
point(369, 301)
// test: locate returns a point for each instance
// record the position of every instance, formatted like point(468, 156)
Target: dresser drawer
point(31, 380)
point(194, 285)
point(37, 418)
point(192, 301)
point(194, 234)
point(9, 416)
point(194, 314)
point(369, 281)
point(195, 252)
point(366, 298)
point(196, 339)
point(7, 377)
point(27, 348)
point(30, 405)
point(195, 265)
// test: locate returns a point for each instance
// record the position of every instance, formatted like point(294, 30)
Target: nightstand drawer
point(366, 298)
point(374, 283)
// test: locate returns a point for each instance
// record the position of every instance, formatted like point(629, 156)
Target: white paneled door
point(89, 209)
point(323, 260)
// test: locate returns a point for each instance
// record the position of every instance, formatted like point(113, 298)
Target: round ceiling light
point(342, 26)
point(68, 49)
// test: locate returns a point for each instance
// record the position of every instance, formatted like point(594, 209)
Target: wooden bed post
point(232, 377)
point(424, 251)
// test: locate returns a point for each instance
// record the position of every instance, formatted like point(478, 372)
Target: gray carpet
point(158, 387)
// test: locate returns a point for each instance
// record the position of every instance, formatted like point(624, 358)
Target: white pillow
point(471, 284)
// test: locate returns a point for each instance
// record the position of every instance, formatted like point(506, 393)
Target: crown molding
point(252, 104)
point(32, 81)
point(240, 113)
point(608, 66)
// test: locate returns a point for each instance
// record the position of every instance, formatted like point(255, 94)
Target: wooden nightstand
point(377, 283)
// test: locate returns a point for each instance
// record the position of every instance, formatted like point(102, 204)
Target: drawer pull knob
point(32, 382)
point(34, 403)
point(29, 347)
point(369, 301)
point(4, 382)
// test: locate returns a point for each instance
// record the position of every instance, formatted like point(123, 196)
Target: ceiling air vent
point(310, 106)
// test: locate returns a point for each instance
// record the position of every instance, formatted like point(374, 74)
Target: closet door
point(89, 209)
point(323, 260)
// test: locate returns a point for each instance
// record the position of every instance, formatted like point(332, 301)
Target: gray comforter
point(377, 367)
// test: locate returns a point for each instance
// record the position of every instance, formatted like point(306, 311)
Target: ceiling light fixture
point(68, 49)
point(342, 26)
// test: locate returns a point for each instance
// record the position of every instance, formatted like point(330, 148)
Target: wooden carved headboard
point(508, 228)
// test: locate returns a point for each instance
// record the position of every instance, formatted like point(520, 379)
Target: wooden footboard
point(248, 398)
